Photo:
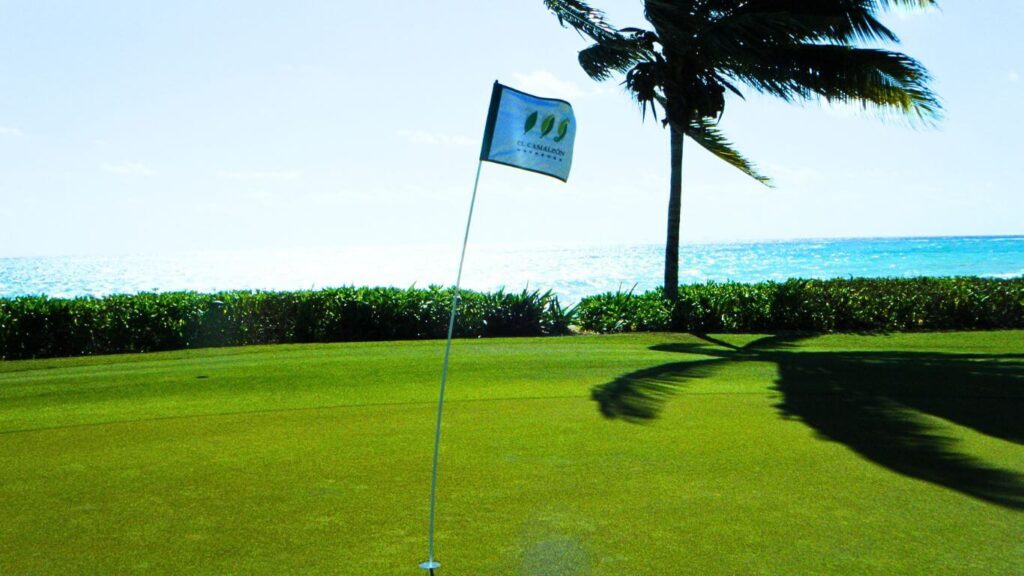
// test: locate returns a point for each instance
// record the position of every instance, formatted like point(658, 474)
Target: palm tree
point(796, 50)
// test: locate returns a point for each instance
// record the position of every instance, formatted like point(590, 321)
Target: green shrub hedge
point(858, 304)
point(39, 326)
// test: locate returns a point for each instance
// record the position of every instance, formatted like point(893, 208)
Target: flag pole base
point(430, 565)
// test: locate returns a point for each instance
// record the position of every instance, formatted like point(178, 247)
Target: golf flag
point(528, 132)
point(525, 132)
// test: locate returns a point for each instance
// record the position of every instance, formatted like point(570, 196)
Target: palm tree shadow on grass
point(875, 403)
point(639, 396)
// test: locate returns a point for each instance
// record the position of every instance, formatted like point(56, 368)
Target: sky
point(140, 127)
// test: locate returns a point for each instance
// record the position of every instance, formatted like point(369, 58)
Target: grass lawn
point(640, 454)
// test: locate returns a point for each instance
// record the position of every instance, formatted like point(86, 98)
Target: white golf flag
point(528, 132)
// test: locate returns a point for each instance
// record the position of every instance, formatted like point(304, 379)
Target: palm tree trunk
point(675, 197)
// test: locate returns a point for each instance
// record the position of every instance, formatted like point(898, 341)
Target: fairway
point(643, 454)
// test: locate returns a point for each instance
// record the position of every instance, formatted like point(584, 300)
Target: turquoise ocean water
point(571, 271)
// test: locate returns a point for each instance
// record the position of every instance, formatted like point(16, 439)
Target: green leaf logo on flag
point(563, 129)
point(531, 121)
point(547, 125)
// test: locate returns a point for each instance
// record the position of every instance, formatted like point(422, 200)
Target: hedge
point(39, 326)
point(856, 304)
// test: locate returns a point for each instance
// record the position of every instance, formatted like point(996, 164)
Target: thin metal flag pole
point(432, 564)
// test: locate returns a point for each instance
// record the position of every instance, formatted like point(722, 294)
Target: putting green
point(636, 454)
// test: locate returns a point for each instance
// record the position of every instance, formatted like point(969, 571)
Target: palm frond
point(602, 59)
point(585, 20)
point(786, 22)
point(888, 4)
point(888, 81)
point(644, 83)
point(706, 133)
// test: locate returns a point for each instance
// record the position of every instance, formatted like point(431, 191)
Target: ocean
point(572, 272)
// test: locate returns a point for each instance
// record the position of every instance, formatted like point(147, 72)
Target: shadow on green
point(871, 402)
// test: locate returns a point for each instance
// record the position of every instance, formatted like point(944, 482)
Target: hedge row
point(859, 304)
point(39, 326)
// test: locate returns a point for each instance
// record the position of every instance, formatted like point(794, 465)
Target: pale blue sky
point(145, 127)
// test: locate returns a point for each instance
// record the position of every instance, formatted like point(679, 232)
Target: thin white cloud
point(785, 175)
point(8, 131)
point(1013, 76)
point(261, 175)
point(129, 169)
point(435, 138)
point(546, 85)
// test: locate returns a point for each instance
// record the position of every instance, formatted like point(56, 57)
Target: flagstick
point(431, 564)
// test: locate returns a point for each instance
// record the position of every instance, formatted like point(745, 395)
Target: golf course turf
point(633, 454)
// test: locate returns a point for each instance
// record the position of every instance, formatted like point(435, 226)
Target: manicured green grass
point(640, 454)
